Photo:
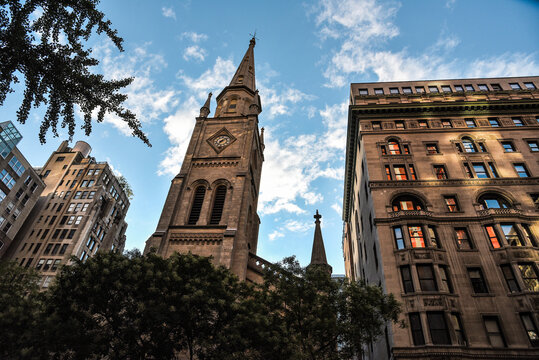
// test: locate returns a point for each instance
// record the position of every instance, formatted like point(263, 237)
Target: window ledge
point(483, 295)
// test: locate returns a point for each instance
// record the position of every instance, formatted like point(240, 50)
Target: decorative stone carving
point(433, 301)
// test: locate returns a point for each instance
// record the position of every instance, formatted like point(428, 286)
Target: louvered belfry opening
point(197, 205)
point(218, 204)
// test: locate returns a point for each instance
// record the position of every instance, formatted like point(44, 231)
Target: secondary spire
point(318, 255)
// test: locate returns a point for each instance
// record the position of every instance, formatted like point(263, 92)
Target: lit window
point(427, 282)
point(388, 172)
point(529, 85)
point(400, 172)
point(512, 237)
point(399, 239)
point(400, 125)
point(446, 88)
point(494, 122)
point(411, 169)
point(463, 240)
point(394, 148)
point(446, 123)
point(521, 170)
point(432, 149)
point(534, 145)
point(407, 203)
point(440, 172)
point(470, 123)
point(515, 86)
point(376, 125)
point(416, 236)
point(494, 332)
point(517, 121)
point(483, 87)
point(530, 328)
point(529, 277)
point(493, 237)
point(508, 146)
point(419, 89)
point(479, 285)
point(451, 203)
point(423, 124)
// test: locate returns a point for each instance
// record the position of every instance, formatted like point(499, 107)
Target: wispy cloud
point(275, 235)
point(194, 37)
point(168, 12)
point(194, 52)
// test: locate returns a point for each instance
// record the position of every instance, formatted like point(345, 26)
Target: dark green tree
point(144, 307)
point(312, 316)
point(19, 310)
point(42, 42)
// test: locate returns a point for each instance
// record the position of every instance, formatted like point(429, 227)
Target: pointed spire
point(318, 255)
point(245, 75)
point(205, 109)
point(262, 139)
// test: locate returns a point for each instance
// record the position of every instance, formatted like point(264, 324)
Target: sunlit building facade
point(441, 209)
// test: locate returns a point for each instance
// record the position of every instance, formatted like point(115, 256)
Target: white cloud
point(450, 3)
point(362, 29)
point(215, 78)
point(274, 235)
point(296, 226)
point(145, 99)
point(194, 37)
point(169, 12)
point(337, 207)
point(194, 52)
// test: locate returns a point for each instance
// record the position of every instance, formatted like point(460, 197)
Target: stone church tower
point(211, 206)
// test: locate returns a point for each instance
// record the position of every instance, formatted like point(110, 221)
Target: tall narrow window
point(417, 329)
point(493, 170)
point(399, 239)
point(407, 282)
point(531, 329)
point(200, 192)
point(480, 171)
point(446, 280)
point(463, 239)
point(511, 235)
point(493, 237)
point(400, 172)
point(494, 332)
point(468, 171)
point(509, 277)
point(528, 234)
point(529, 276)
point(388, 172)
point(478, 281)
point(412, 172)
point(458, 329)
point(438, 328)
point(434, 240)
point(218, 204)
point(394, 148)
point(451, 203)
point(440, 172)
point(416, 236)
point(468, 145)
point(427, 282)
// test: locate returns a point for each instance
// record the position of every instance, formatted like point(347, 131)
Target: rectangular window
point(427, 281)
point(7, 178)
point(399, 239)
point(400, 172)
point(528, 235)
point(508, 146)
point(480, 171)
point(517, 121)
point(77, 195)
point(388, 172)
point(483, 87)
point(451, 203)
point(406, 149)
point(407, 90)
point(529, 276)
point(521, 170)
point(459, 88)
point(509, 277)
point(412, 172)
point(407, 282)
point(496, 87)
point(71, 207)
point(16, 165)
point(494, 332)
point(432, 149)
point(534, 145)
point(423, 124)
point(493, 170)
point(469, 87)
point(530, 328)
point(479, 285)
point(514, 86)
point(494, 122)
point(512, 237)
point(416, 236)
point(417, 329)
point(446, 280)
point(363, 92)
point(463, 239)
point(438, 328)
point(78, 220)
point(63, 249)
point(433, 89)
point(446, 88)
point(394, 90)
point(400, 125)
point(529, 85)
point(433, 235)
point(493, 236)
point(470, 123)
point(419, 89)
point(458, 329)
point(379, 91)
point(446, 123)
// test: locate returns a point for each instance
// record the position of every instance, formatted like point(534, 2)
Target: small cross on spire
point(317, 216)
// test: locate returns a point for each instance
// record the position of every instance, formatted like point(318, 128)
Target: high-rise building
point(19, 189)
point(441, 209)
point(81, 210)
point(211, 206)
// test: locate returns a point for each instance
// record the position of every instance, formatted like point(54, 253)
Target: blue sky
point(306, 56)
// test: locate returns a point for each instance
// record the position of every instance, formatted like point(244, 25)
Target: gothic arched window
point(493, 201)
point(468, 145)
point(198, 199)
point(407, 202)
point(218, 205)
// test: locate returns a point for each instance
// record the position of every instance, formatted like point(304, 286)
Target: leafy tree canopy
point(42, 42)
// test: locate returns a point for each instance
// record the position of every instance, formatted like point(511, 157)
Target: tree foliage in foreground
point(146, 307)
point(42, 42)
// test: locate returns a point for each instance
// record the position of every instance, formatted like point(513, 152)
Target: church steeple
point(240, 97)
point(318, 255)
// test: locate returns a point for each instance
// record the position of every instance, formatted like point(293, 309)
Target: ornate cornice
point(454, 182)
